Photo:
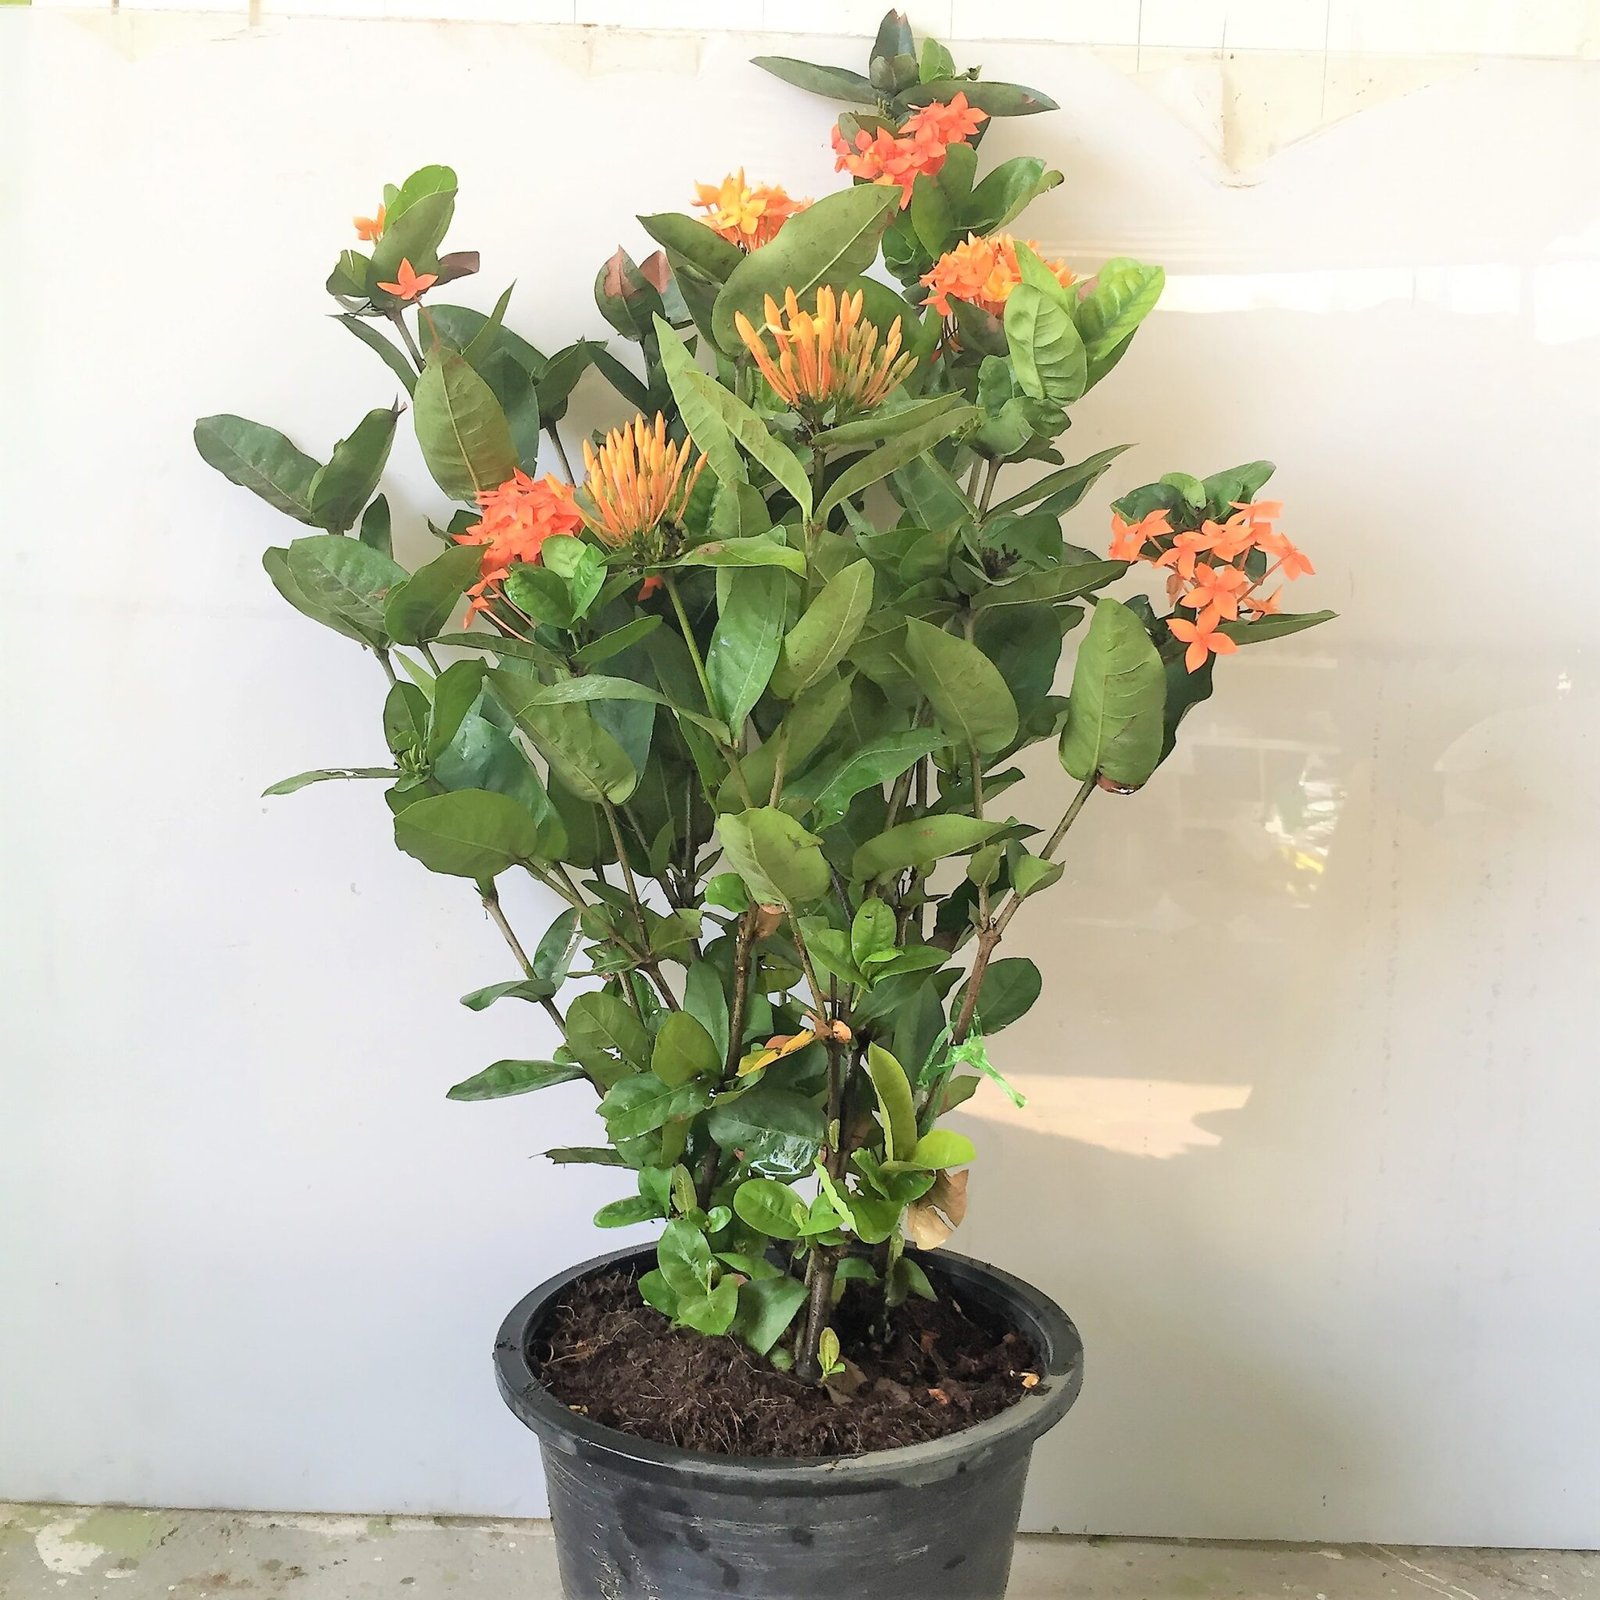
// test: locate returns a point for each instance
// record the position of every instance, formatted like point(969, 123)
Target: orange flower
point(983, 272)
point(370, 227)
point(943, 125)
point(882, 158)
point(518, 517)
point(1263, 605)
point(1128, 539)
point(411, 284)
point(1203, 640)
point(651, 585)
point(1232, 538)
point(748, 215)
point(636, 481)
point(829, 355)
point(1183, 553)
point(1216, 593)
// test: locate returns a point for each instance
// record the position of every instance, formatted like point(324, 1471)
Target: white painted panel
point(1310, 1154)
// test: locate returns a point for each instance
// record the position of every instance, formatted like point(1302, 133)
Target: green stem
point(988, 486)
point(650, 966)
point(431, 659)
point(554, 436)
point(387, 665)
point(397, 317)
point(688, 639)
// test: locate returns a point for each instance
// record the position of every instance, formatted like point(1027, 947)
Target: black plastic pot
point(932, 1521)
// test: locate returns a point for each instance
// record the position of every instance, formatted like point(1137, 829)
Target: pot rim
point(1015, 1429)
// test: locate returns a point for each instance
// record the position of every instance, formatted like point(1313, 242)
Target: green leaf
point(872, 930)
point(1046, 352)
point(683, 1051)
point(766, 1308)
point(835, 238)
point(616, 641)
point(769, 1207)
point(1058, 492)
point(302, 780)
point(390, 353)
point(685, 1258)
point(260, 459)
point(942, 1148)
point(965, 688)
point(1125, 293)
point(585, 1155)
point(998, 99)
point(706, 1001)
point(512, 1077)
point(375, 527)
point(908, 446)
point(1005, 192)
point(1237, 485)
point(937, 62)
point(418, 609)
point(693, 242)
point(465, 439)
point(716, 419)
point(911, 844)
point(455, 693)
point(627, 1211)
point(1055, 583)
point(405, 719)
point(586, 758)
point(471, 833)
point(896, 1111)
point(643, 1103)
point(603, 1032)
point(1114, 727)
point(881, 424)
point(1033, 873)
point(530, 989)
point(744, 647)
point(780, 862)
point(1275, 627)
point(1010, 988)
point(774, 1132)
point(340, 489)
point(821, 639)
point(834, 83)
point(712, 1313)
point(758, 550)
point(829, 789)
point(345, 581)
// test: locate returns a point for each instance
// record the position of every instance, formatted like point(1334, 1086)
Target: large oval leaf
point(1114, 726)
point(781, 863)
point(342, 488)
point(512, 1077)
point(1047, 353)
point(1010, 988)
point(835, 238)
point(774, 1132)
point(683, 1050)
point(821, 639)
point(345, 579)
point(586, 758)
point(1124, 294)
point(744, 648)
point(260, 459)
point(913, 844)
point(964, 687)
point(465, 439)
point(471, 833)
point(419, 609)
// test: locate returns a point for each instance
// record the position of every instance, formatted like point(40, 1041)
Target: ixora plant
point(746, 698)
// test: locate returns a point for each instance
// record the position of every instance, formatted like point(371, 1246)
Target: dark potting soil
point(607, 1355)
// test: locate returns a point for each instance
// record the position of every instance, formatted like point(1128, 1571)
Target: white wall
point(1311, 1153)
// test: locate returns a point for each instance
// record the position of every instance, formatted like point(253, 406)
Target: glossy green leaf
point(375, 529)
point(683, 1051)
point(392, 356)
point(966, 690)
point(342, 488)
point(835, 238)
point(587, 759)
point(927, 839)
point(890, 457)
point(1124, 294)
point(769, 1207)
point(461, 428)
point(781, 863)
point(421, 607)
point(1010, 987)
point(692, 241)
point(471, 833)
point(302, 780)
point(774, 1132)
point(260, 459)
point(828, 790)
point(1047, 353)
point(1275, 627)
point(1055, 583)
point(896, 1112)
point(1004, 193)
point(712, 1313)
point(744, 647)
point(821, 639)
point(603, 1030)
point(1056, 493)
point(942, 1148)
point(834, 83)
point(1114, 727)
point(758, 550)
point(998, 99)
point(767, 1306)
point(344, 579)
point(512, 1077)
point(880, 425)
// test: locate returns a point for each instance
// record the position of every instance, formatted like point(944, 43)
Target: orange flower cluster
point(1205, 574)
point(517, 519)
point(983, 272)
point(829, 355)
point(745, 214)
point(636, 481)
point(919, 146)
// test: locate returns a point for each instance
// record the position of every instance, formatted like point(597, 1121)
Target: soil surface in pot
point(610, 1357)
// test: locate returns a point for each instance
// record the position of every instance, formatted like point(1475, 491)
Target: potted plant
point(746, 698)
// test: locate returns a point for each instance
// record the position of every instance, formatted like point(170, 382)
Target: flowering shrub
point(746, 699)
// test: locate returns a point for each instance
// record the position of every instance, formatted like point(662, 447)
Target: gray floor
point(87, 1553)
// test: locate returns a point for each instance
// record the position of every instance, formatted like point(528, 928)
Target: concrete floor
point(90, 1553)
